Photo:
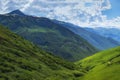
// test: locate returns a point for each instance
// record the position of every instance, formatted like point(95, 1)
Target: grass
point(22, 60)
point(40, 29)
point(102, 66)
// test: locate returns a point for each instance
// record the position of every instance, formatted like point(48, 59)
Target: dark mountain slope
point(49, 35)
point(96, 40)
point(21, 60)
point(104, 65)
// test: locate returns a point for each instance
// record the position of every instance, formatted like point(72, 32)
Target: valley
point(39, 48)
point(22, 60)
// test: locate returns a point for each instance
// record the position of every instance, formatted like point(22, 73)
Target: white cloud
point(4, 7)
point(27, 5)
point(81, 12)
point(115, 22)
point(9, 5)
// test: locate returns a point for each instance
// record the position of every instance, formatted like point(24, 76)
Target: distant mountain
point(113, 33)
point(104, 65)
point(99, 41)
point(49, 35)
point(21, 60)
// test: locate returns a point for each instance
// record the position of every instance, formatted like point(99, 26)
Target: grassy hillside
point(50, 36)
point(21, 60)
point(102, 66)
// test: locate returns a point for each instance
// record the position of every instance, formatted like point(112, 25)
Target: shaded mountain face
point(107, 32)
point(21, 60)
point(99, 41)
point(104, 65)
point(50, 36)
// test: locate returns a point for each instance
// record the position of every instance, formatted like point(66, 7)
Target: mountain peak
point(17, 12)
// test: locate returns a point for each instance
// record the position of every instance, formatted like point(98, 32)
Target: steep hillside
point(99, 41)
point(21, 60)
point(102, 66)
point(49, 35)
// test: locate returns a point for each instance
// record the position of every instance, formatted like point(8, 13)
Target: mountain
point(49, 35)
point(99, 41)
point(21, 60)
point(16, 12)
point(104, 65)
point(107, 32)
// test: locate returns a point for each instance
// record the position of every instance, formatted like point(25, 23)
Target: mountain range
point(22, 60)
point(93, 36)
point(49, 35)
point(106, 32)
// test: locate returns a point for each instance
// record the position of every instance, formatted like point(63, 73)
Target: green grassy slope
point(21, 60)
point(50, 36)
point(102, 66)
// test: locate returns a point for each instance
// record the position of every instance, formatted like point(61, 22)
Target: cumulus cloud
point(9, 5)
point(4, 6)
point(84, 13)
point(27, 5)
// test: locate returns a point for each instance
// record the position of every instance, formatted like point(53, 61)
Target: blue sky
point(85, 13)
point(114, 11)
